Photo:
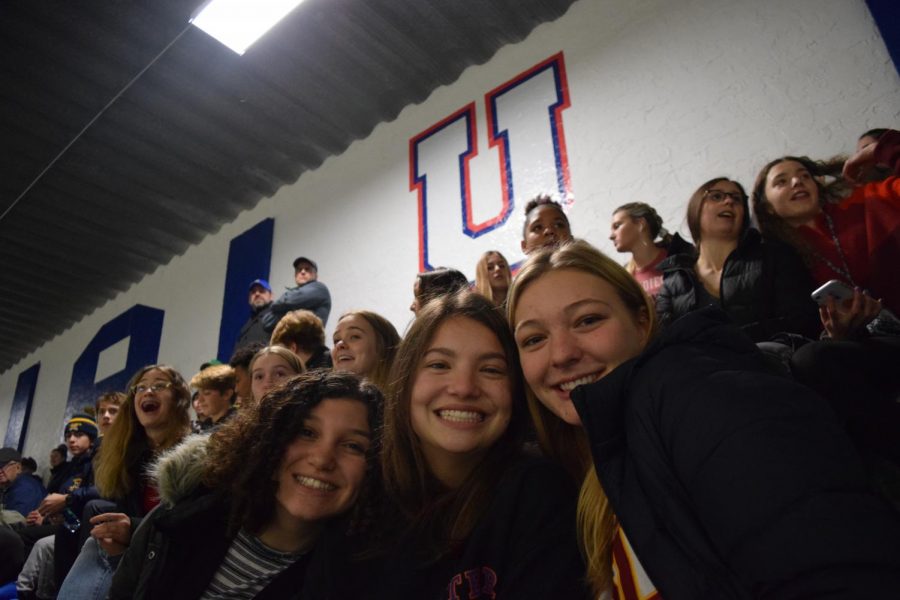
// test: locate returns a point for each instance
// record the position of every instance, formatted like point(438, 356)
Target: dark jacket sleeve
point(80, 485)
point(665, 310)
point(786, 305)
point(678, 295)
point(83, 495)
point(24, 496)
point(137, 563)
point(545, 561)
point(776, 485)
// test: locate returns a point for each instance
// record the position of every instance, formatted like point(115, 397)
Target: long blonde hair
point(568, 444)
point(126, 441)
point(483, 279)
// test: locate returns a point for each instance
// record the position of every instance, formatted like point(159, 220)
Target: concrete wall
point(662, 96)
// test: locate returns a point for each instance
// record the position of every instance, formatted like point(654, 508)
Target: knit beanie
point(81, 423)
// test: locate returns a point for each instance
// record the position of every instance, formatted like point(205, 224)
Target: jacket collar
point(675, 262)
point(601, 405)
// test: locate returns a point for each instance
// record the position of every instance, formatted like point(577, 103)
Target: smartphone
point(834, 288)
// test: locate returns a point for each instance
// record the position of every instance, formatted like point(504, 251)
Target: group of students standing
point(411, 470)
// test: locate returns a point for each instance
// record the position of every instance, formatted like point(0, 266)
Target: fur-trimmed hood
point(179, 470)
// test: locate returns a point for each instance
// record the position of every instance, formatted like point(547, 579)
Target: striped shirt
point(249, 566)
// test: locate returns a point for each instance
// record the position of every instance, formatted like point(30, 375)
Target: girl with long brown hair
point(467, 514)
point(153, 418)
point(365, 343)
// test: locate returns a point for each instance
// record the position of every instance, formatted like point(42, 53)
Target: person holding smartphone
point(851, 234)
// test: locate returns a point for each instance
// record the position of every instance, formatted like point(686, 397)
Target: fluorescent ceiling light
point(239, 23)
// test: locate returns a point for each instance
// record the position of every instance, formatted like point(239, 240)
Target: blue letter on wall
point(249, 258)
point(21, 408)
point(144, 325)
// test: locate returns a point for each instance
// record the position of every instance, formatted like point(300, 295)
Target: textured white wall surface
point(664, 95)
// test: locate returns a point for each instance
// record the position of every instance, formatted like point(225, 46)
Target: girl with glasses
point(762, 286)
point(152, 419)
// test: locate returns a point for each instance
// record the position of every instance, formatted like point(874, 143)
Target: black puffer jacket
point(731, 482)
point(679, 245)
point(765, 289)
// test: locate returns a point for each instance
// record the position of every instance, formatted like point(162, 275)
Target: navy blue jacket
point(24, 495)
point(312, 296)
point(731, 482)
point(523, 547)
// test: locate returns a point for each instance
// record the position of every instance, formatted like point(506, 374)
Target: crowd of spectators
point(698, 420)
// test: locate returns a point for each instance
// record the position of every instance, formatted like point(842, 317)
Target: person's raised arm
point(885, 152)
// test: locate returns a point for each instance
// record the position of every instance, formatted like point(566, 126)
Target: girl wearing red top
point(855, 239)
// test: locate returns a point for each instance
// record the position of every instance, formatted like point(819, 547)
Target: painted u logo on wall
point(465, 206)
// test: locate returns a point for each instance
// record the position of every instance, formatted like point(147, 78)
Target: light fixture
point(239, 23)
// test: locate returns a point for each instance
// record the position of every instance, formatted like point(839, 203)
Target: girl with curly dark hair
point(243, 510)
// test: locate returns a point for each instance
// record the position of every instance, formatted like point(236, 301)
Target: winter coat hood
point(179, 470)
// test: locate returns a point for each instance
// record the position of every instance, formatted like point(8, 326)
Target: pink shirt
point(651, 278)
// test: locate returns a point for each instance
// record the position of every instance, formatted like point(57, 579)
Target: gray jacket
point(312, 296)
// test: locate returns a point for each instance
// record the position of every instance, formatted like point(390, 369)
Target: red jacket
point(867, 225)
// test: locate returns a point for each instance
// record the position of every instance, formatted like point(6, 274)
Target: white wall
point(664, 95)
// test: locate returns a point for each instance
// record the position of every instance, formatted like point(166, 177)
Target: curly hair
point(243, 355)
point(543, 200)
point(244, 455)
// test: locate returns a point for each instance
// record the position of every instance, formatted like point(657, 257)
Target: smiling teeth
point(571, 385)
point(461, 416)
point(313, 483)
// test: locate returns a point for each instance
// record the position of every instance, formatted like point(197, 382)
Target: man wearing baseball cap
point(260, 298)
point(310, 294)
point(18, 492)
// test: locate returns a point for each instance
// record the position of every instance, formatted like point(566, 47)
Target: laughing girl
point(469, 516)
point(729, 481)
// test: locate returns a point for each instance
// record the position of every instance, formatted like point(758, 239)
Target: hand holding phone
point(844, 312)
point(835, 289)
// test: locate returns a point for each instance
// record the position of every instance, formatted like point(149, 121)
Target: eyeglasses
point(153, 387)
point(719, 196)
